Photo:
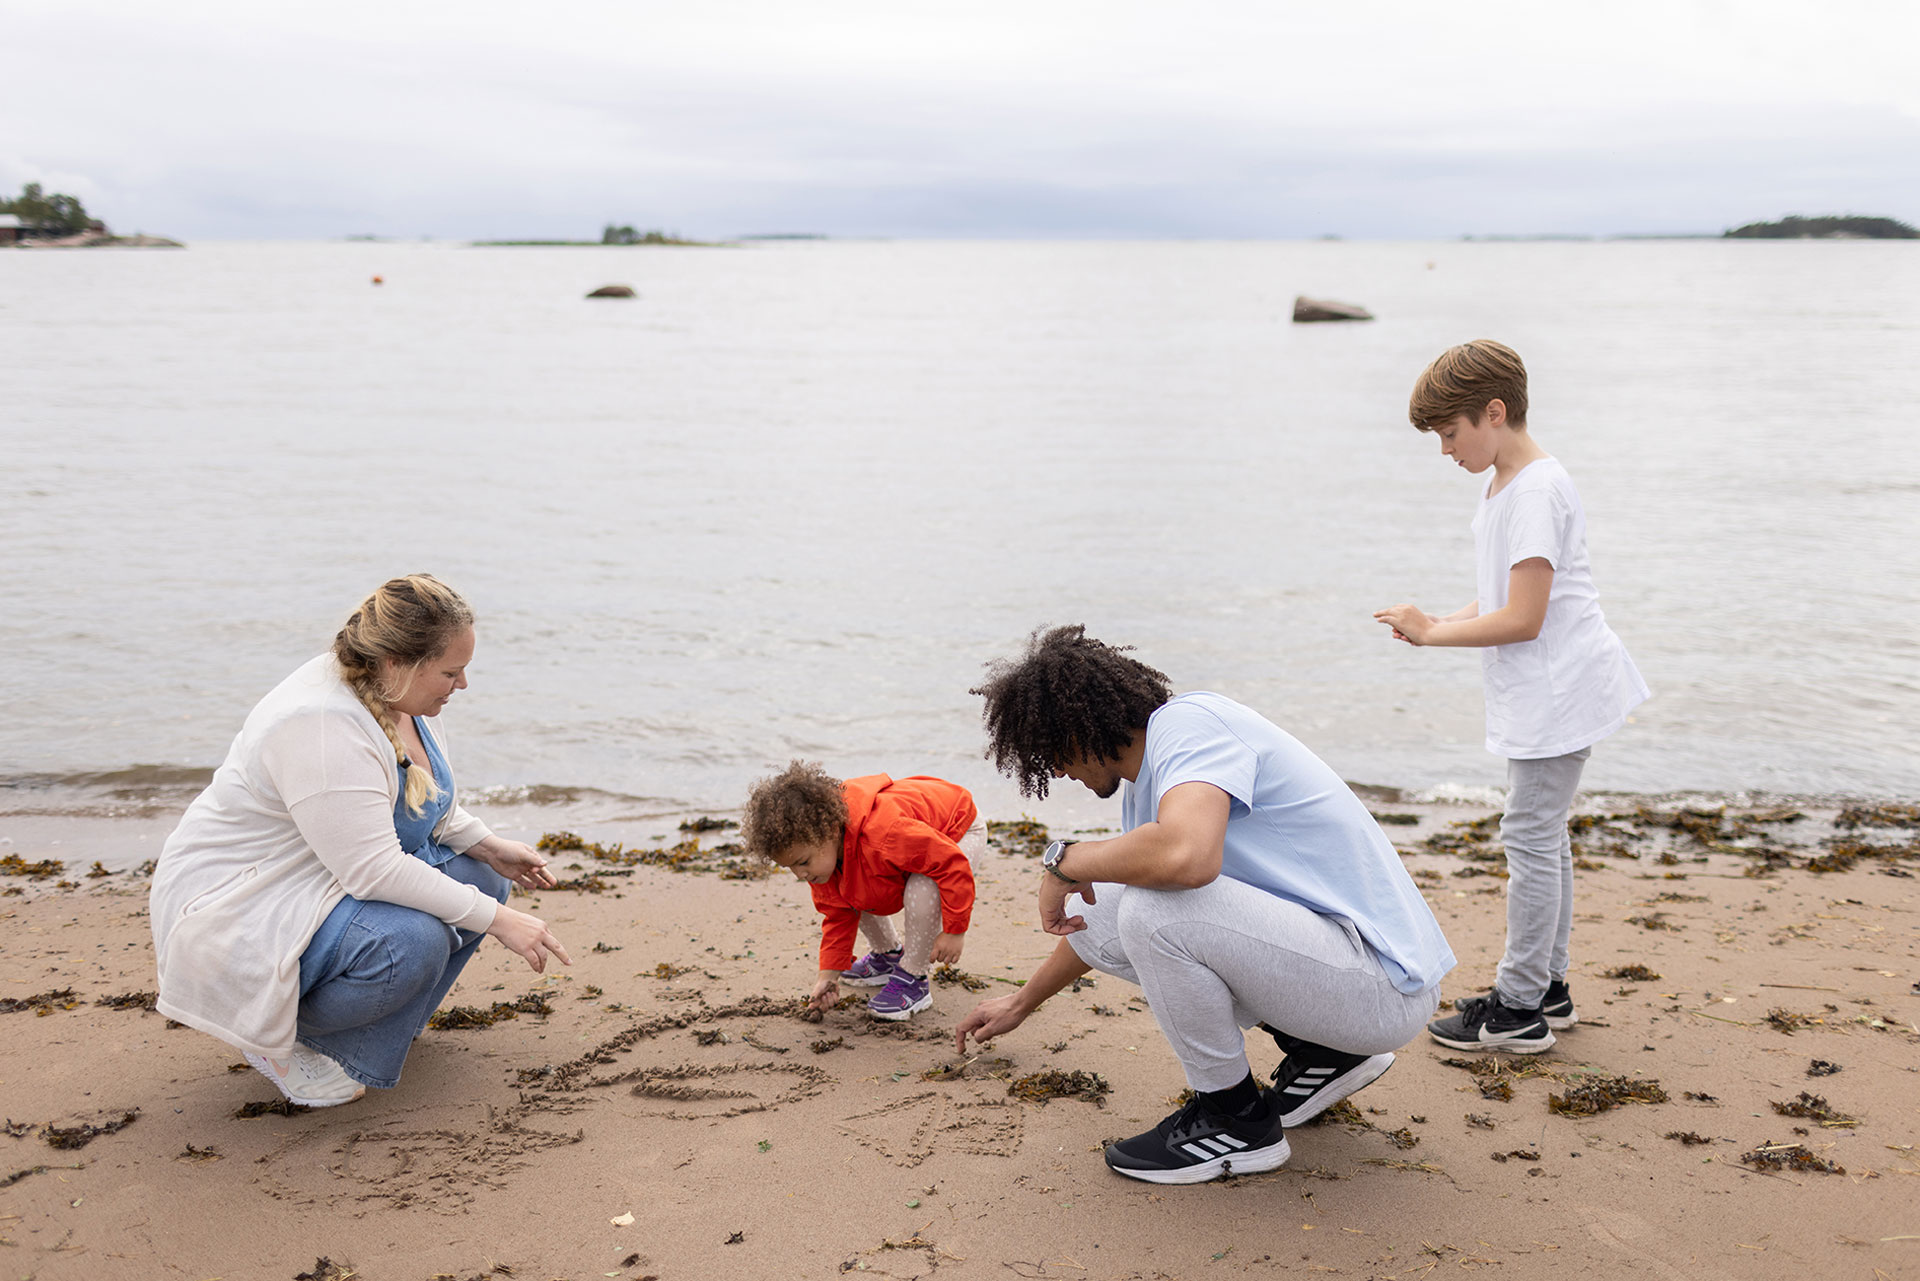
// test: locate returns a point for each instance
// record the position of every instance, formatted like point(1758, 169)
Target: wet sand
point(672, 1117)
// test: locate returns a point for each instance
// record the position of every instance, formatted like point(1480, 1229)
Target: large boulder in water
point(1307, 310)
point(613, 291)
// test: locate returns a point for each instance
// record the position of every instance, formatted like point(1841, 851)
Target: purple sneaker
point(872, 970)
point(900, 998)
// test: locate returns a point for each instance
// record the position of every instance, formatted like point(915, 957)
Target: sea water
point(792, 498)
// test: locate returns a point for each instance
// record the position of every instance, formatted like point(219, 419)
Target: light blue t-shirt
point(1294, 829)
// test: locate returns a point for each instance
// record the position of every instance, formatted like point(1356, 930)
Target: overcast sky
point(1209, 118)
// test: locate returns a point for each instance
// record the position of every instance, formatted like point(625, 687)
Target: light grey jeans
point(1539, 875)
point(1226, 956)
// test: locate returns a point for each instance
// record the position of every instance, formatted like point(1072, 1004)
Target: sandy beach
point(1748, 1028)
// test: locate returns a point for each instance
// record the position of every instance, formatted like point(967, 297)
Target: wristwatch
point(1051, 860)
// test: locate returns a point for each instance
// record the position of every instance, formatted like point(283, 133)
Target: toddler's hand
point(946, 948)
point(826, 991)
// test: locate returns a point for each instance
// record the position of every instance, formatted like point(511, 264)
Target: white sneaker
point(309, 1078)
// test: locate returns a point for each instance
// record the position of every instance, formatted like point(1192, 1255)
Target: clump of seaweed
point(325, 1269)
point(1480, 1121)
point(271, 1107)
point(14, 865)
point(1055, 1084)
point(1631, 973)
point(1789, 1156)
point(130, 1001)
point(1341, 1113)
point(1599, 1094)
point(727, 860)
point(706, 824)
point(825, 1044)
point(1517, 1154)
point(1654, 921)
point(668, 970)
point(1886, 814)
point(969, 1070)
point(41, 1003)
point(1467, 838)
point(1688, 1137)
point(199, 1155)
point(1787, 1021)
point(1495, 1077)
point(1023, 836)
point(463, 1017)
point(1396, 820)
point(67, 1138)
point(1820, 1067)
point(953, 975)
point(1815, 1108)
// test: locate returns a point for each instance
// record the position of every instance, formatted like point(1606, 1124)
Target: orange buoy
point(378, 281)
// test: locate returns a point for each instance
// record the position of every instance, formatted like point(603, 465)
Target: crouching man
point(1250, 886)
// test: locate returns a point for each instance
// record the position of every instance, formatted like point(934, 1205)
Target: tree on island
point(52, 215)
point(1828, 227)
point(628, 236)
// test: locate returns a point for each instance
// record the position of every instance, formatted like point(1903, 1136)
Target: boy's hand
point(1410, 623)
point(946, 948)
point(826, 990)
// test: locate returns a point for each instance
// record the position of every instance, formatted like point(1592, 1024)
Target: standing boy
point(1557, 679)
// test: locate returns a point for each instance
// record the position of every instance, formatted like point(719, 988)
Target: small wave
point(560, 794)
point(1460, 794)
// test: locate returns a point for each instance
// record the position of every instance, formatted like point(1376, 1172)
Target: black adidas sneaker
point(1310, 1083)
point(1195, 1144)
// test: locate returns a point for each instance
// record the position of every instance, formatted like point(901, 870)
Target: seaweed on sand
point(1024, 836)
point(130, 1001)
point(462, 1017)
point(1814, 1107)
point(706, 824)
point(1495, 1077)
point(46, 868)
point(1787, 1021)
point(953, 975)
point(1599, 1094)
point(1789, 1156)
point(1055, 1084)
point(1632, 973)
point(1688, 1137)
point(41, 1003)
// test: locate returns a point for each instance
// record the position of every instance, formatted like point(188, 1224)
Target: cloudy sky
point(1204, 118)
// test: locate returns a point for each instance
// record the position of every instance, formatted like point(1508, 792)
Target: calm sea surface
point(791, 499)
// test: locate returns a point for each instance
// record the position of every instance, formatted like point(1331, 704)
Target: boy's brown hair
point(798, 806)
point(1463, 379)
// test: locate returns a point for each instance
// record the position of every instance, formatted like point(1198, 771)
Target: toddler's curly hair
point(798, 806)
point(1068, 697)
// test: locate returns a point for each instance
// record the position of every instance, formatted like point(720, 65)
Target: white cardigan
point(299, 816)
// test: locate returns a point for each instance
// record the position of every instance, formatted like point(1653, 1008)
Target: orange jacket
point(895, 827)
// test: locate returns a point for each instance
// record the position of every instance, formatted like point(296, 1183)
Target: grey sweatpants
point(1539, 875)
point(1226, 956)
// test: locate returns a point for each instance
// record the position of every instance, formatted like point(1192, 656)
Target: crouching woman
point(320, 897)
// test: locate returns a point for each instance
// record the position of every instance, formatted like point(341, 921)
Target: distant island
point(1827, 227)
point(613, 235)
point(35, 219)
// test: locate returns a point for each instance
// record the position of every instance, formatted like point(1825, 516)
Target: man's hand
point(826, 990)
point(1053, 904)
point(989, 1019)
point(946, 948)
point(1410, 623)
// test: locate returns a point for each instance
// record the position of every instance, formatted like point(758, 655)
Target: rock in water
point(613, 291)
point(1306, 310)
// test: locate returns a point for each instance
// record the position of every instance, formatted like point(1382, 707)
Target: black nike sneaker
point(1557, 1005)
point(1488, 1023)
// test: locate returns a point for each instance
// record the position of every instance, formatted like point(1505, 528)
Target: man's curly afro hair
point(1068, 697)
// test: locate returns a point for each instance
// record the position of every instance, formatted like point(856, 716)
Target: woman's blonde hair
point(406, 621)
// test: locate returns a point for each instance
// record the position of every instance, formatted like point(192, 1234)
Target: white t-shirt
point(1574, 683)
point(1293, 828)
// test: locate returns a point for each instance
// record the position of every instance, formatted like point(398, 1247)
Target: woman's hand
point(516, 860)
point(946, 948)
point(528, 936)
point(826, 990)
